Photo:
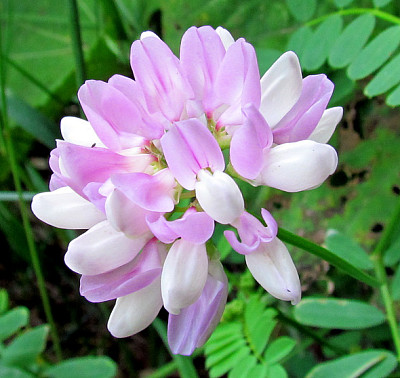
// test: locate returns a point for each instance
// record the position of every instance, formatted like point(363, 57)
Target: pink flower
point(152, 142)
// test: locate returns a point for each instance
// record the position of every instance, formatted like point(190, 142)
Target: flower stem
point(77, 43)
point(377, 258)
point(10, 151)
point(353, 11)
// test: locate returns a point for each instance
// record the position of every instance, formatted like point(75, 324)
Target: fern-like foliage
point(364, 42)
point(242, 348)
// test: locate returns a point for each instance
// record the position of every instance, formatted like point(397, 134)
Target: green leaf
point(375, 53)
point(394, 97)
point(279, 349)
point(381, 3)
point(342, 3)
point(298, 41)
point(277, 371)
point(13, 372)
point(319, 45)
point(385, 79)
point(85, 367)
point(378, 362)
point(348, 249)
point(259, 371)
point(392, 254)
point(32, 121)
point(337, 313)
point(243, 367)
point(4, 302)
point(396, 285)
point(302, 10)
point(228, 362)
point(24, 349)
point(351, 41)
point(327, 255)
point(12, 321)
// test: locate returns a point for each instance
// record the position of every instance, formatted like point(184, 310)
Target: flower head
point(152, 143)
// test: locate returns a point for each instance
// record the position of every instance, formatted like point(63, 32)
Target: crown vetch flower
point(152, 143)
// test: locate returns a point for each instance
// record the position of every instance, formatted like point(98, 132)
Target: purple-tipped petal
point(192, 327)
point(293, 167)
point(188, 147)
point(153, 193)
point(158, 72)
point(184, 275)
point(248, 143)
point(273, 268)
point(102, 249)
point(195, 227)
point(280, 88)
point(302, 119)
point(135, 312)
point(82, 165)
point(131, 277)
point(252, 232)
point(201, 55)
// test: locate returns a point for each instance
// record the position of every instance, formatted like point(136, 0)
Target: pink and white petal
point(252, 232)
point(248, 143)
point(131, 277)
point(147, 34)
point(327, 125)
point(226, 37)
point(273, 269)
point(193, 326)
point(195, 227)
point(63, 208)
point(188, 147)
point(78, 131)
point(158, 72)
point(102, 249)
point(201, 54)
point(152, 193)
point(219, 196)
point(297, 166)
point(301, 120)
point(135, 312)
point(125, 215)
point(280, 88)
point(184, 275)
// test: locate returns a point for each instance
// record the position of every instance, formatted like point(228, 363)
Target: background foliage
point(346, 325)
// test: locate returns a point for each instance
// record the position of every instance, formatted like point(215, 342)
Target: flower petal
point(193, 326)
point(273, 269)
point(188, 147)
point(226, 37)
point(135, 312)
point(219, 196)
point(297, 166)
point(102, 249)
point(248, 143)
point(153, 193)
point(63, 208)
point(280, 88)
point(131, 277)
point(184, 275)
point(78, 131)
point(196, 227)
point(326, 126)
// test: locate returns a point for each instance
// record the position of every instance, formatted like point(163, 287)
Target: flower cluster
point(147, 177)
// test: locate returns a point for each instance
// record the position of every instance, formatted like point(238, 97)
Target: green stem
point(377, 257)
point(353, 11)
point(9, 196)
point(327, 255)
point(77, 43)
point(6, 132)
